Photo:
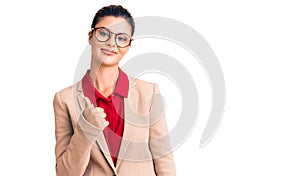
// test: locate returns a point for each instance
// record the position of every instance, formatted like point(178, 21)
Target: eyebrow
point(97, 27)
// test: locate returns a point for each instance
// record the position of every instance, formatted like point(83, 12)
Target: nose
point(111, 42)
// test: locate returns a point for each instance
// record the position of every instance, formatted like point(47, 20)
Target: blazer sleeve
point(159, 140)
point(73, 144)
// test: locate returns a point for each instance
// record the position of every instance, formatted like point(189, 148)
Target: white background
point(257, 43)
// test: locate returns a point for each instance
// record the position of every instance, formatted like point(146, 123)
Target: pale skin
point(104, 66)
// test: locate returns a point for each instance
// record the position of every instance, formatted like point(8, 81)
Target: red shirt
point(113, 106)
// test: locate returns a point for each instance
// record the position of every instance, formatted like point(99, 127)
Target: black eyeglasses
point(103, 34)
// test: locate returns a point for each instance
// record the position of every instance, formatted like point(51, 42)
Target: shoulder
point(67, 93)
point(141, 83)
point(143, 86)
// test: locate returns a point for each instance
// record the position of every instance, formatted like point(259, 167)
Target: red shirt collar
point(122, 87)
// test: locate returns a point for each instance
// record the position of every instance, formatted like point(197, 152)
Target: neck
point(104, 78)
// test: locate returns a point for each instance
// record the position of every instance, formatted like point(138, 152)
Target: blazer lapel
point(100, 141)
point(130, 105)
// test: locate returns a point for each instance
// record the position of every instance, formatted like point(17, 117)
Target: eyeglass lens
point(121, 39)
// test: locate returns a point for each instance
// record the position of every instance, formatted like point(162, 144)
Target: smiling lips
point(108, 52)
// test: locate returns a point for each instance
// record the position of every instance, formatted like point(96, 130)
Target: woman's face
point(108, 53)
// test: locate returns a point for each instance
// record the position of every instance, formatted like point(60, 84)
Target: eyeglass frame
point(110, 34)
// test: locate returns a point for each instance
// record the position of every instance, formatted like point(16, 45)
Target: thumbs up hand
point(94, 115)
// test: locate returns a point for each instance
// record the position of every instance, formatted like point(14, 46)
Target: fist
point(94, 115)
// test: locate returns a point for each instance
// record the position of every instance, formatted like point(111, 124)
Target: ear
point(90, 34)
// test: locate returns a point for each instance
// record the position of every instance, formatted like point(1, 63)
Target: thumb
point(87, 102)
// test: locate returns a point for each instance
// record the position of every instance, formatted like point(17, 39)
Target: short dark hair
point(116, 11)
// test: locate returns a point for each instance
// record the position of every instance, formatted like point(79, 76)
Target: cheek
point(96, 46)
point(94, 42)
point(123, 51)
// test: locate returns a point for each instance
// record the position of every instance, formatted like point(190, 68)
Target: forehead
point(115, 24)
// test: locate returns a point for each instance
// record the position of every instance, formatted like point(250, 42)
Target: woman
point(109, 123)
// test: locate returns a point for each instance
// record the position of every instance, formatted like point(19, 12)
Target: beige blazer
point(81, 148)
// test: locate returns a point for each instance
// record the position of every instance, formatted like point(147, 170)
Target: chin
point(105, 60)
point(108, 62)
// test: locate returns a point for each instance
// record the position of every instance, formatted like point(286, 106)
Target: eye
point(103, 33)
point(122, 38)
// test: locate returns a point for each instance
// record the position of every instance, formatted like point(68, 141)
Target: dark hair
point(116, 11)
